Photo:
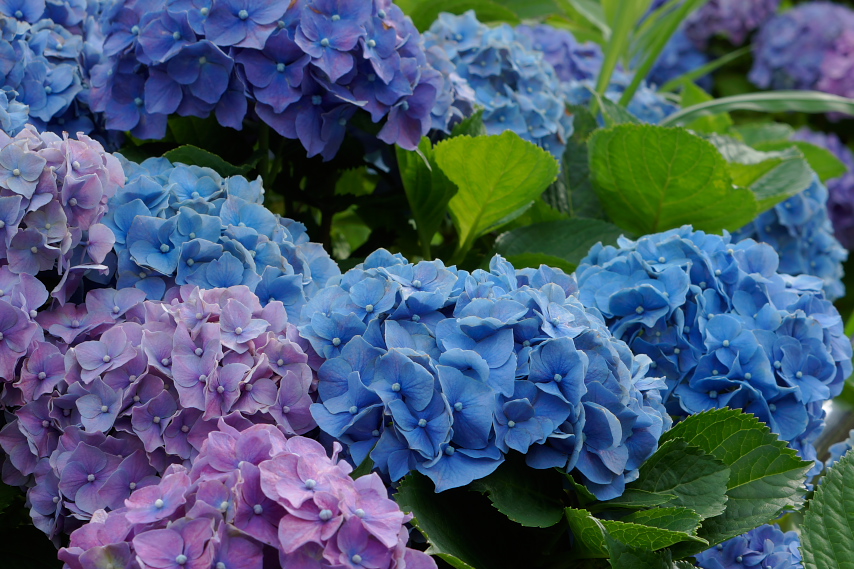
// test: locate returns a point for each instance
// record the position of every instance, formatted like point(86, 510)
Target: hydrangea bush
point(441, 371)
point(181, 225)
point(800, 231)
point(250, 496)
point(723, 326)
point(113, 391)
point(766, 547)
point(304, 68)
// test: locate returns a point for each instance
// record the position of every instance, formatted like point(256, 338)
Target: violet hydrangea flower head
point(433, 369)
point(801, 232)
point(723, 326)
point(840, 201)
point(113, 391)
point(251, 495)
point(766, 546)
point(791, 48)
point(732, 19)
point(516, 85)
point(181, 225)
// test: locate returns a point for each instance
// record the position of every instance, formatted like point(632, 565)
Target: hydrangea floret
point(723, 326)
point(53, 195)
point(801, 232)
point(433, 369)
point(840, 201)
point(252, 495)
point(766, 547)
point(181, 225)
point(304, 68)
point(113, 391)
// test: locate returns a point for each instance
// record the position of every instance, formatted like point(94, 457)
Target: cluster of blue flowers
point(766, 547)
point(840, 202)
point(800, 231)
point(46, 52)
point(724, 327)
point(186, 225)
point(680, 56)
point(444, 372)
point(307, 66)
point(791, 48)
point(517, 88)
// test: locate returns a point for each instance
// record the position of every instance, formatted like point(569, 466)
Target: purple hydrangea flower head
point(765, 546)
point(241, 513)
point(433, 369)
point(840, 201)
point(801, 232)
point(791, 48)
point(732, 19)
point(723, 326)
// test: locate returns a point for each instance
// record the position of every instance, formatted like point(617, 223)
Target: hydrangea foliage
point(186, 225)
point(840, 201)
point(303, 67)
point(113, 391)
point(444, 372)
point(723, 326)
point(252, 495)
point(766, 547)
point(53, 196)
point(801, 232)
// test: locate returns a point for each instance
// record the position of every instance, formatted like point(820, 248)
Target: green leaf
point(693, 95)
point(348, 232)
point(496, 177)
point(365, 468)
point(768, 102)
point(534, 260)
point(529, 497)
point(651, 179)
point(590, 10)
point(613, 113)
point(425, 13)
point(685, 520)
point(754, 134)
point(706, 69)
point(427, 189)
point(356, 182)
point(621, 15)
point(766, 476)
point(567, 239)
point(772, 176)
point(530, 8)
point(827, 533)
point(823, 161)
point(634, 498)
point(193, 155)
point(471, 126)
point(697, 479)
point(624, 556)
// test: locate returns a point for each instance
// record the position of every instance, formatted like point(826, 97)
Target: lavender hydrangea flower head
point(732, 19)
point(801, 232)
point(433, 369)
point(764, 547)
point(253, 494)
point(181, 225)
point(723, 326)
point(515, 85)
point(304, 68)
point(113, 391)
point(837, 67)
point(791, 48)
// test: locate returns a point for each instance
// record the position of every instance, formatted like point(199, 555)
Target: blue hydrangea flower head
point(571, 59)
point(840, 201)
point(801, 232)
point(791, 47)
point(679, 56)
point(723, 326)
point(429, 368)
point(514, 83)
point(766, 546)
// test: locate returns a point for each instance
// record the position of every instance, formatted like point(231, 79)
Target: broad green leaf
point(676, 519)
point(827, 533)
point(706, 69)
point(427, 189)
point(693, 95)
point(766, 101)
point(348, 233)
point(423, 14)
point(590, 10)
point(766, 476)
point(567, 239)
point(624, 556)
point(823, 161)
point(530, 8)
point(534, 260)
point(698, 479)
point(496, 177)
point(651, 179)
point(363, 469)
point(471, 126)
point(754, 134)
point(356, 182)
point(189, 154)
point(529, 497)
point(772, 176)
point(613, 113)
point(635, 499)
